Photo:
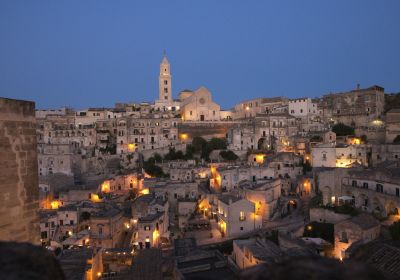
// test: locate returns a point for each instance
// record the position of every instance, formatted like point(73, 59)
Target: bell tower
point(164, 81)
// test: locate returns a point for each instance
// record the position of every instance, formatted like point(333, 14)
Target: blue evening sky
point(93, 53)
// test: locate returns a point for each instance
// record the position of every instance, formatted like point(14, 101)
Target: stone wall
point(206, 130)
point(327, 216)
point(162, 151)
point(18, 171)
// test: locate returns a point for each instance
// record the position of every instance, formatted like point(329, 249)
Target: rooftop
point(365, 221)
point(151, 217)
point(264, 250)
point(228, 198)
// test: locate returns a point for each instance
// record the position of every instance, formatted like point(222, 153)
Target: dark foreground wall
point(18, 171)
point(26, 261)
point(300, 268)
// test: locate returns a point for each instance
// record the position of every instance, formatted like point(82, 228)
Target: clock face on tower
point(202, 101)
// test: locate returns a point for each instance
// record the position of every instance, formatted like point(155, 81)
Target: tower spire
point(165, 89)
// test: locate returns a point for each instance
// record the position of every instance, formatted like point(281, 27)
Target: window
point(379, 188)
point(147, 228)
point(365, 185)
point(242, 216)
point(165, 90)
point(100, 230)
point(397, 192)
point(191, 113)
point(165, 82)
point(354, 183)
point(241, 228)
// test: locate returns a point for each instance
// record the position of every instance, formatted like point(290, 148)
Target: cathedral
point(192, 105)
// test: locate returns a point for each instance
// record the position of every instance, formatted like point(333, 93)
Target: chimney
point(358, 86)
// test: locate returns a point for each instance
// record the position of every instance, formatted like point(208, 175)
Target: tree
point(174, 155)
point(213, 144)
point(228, 155)
point(217, 144)
point(342, 130)
point(198, 144)
point(396, 140)
point(152, 169)
point(189, 151)
point(157, 157)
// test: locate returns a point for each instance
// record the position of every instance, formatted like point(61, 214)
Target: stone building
point(237, 215)
point(263, 132)
point(392, 125)
point(374, 190)
point(354, 108)
point(265, 195)
point(18, 172)
point(198, 106)
point(151, 214)
point(302, 107)
point(250, 252)
point(250, 108)
point(360, 229)
point(385, 152)
point(56, 158)
point(158, 130)
point(339, 155)
point(65, 130)
point(228, 178)
point(107, 227)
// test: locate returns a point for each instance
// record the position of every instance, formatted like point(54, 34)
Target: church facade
point(198, 106)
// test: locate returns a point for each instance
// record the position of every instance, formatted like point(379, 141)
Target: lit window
point(242, 217)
